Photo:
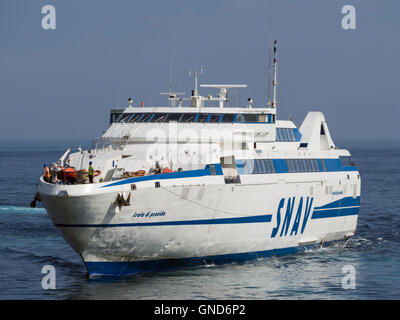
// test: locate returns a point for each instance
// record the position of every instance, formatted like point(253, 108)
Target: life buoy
point(96, 173)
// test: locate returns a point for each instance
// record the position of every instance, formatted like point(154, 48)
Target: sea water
point(29, 241)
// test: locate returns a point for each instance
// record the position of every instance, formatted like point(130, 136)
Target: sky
point(61, 83)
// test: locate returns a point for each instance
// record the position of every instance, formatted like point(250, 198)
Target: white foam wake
point(16, 209)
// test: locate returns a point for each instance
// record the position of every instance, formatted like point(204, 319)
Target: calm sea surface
point(28, 241)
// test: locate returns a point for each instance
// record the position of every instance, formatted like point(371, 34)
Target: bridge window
point(174, 117)
point(285, 135)
point(263, 118)
point(188, 117)
point(251, 117)
point(228, 118)
point(202, 117)
point(214, 118)
point(159, 117)
point(135, 117)
point(124, 117)
point(145, 117)
point(118, 118)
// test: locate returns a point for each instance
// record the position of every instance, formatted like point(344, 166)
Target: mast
point(274, 82)
point(172, 96)
point(269, 72)
point(269, 53)
point(196, 74)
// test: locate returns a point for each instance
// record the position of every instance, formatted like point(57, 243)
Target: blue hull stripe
point(344, 202)
point(128, 268)
point(171, 175)
point(280, 166)
point(338, 212)
point(251, 219)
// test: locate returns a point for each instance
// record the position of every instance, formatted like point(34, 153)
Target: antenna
point(223, 93)
point(170, 75)
point(274, 82)
point(196, 74)
point(269, 54)
point(172, 96)
point(269, 71)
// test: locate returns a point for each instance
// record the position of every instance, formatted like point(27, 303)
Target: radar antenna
point(172, 96)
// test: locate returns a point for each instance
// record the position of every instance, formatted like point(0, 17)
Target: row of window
point(304, 165)
point(263, 166)
point(346, 161)
point(191, 117)
point(285, 135)
point(257, 166)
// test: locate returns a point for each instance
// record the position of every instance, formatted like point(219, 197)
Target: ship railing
point(102, 144)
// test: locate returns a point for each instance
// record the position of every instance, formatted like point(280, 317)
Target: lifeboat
point(68, 174)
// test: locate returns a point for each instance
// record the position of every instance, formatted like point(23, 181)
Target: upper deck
point(192, 115)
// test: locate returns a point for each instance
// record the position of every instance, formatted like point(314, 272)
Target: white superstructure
point(204, 183)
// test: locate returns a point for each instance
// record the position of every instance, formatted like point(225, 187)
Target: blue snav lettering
point(306, 213)
point(296, 222)
point(290, 204)
point(288, 216)
point(278, 218)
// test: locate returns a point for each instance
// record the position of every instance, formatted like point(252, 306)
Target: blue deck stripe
point(332, 213)
point(245, 166)
point(251, 219)
point(171, 175)
point(344, 202)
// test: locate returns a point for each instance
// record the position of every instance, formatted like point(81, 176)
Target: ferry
point(200, 182)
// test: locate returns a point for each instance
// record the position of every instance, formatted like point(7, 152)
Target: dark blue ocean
point(28, 241)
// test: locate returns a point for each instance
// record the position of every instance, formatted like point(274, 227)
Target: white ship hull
point(201, 184)
point(189, 221)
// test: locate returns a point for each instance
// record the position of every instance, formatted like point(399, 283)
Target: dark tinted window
point(202, 117)
point(214, 118)
point(251, 117)
point(345, 161)
point(114, 117)
point(174, 116)
point(159, 117)
point(228, 118)
point(188, 117)
point(145, 117)
point(135, 117)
